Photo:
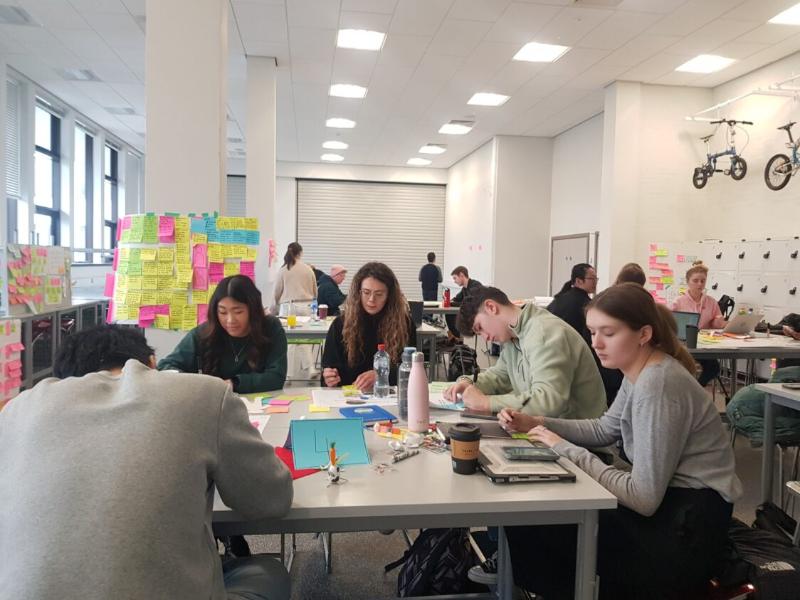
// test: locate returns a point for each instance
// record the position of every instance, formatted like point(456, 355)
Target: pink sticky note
point(166, 229)
point(162, 309)
point(200, 255)
point(680, 258)
point(116, 257)
point(110, 312)
point(248, 267)
point(276, 402)
point(200, 278)
point(659, 286)
point(126, 222)
point(216, 272)
point(202, 313)
point(119, 229)
point(108, 292)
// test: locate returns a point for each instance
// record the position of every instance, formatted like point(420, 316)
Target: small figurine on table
point(333, 468)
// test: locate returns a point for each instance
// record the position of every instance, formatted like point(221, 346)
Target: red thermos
point(446, 298)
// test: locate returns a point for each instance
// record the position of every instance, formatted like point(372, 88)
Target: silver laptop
point(501, 470)
point(683, 319)
point(743, 324)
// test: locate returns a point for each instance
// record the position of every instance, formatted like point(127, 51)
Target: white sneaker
point(486, 572)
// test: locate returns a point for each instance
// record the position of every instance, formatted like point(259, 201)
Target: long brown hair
point(393, 327)
point(631, 272)
point(634, 306)
point(215, 341)
point(293, 251)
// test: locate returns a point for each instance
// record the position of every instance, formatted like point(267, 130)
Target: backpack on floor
point(437, 563)
point(463, 361)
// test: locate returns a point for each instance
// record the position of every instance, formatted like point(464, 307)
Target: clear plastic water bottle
point(381, 364)
point(403, 373)
point(314, 309)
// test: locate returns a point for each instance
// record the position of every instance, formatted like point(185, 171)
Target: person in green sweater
point(238, 342)
point(545, 367)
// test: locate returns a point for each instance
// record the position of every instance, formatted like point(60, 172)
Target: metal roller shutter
point(353, 222)
point(237, 206)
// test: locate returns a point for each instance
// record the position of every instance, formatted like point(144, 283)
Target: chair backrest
point(726, 305)
point(416, 307)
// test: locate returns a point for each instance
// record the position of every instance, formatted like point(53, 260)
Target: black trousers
point(709, 371)
point(430, 295)
point(678, 548)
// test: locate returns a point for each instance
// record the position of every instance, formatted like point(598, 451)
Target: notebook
point(369, 413)
point(501, 470)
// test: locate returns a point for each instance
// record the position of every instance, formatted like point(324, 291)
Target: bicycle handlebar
point(731, 122)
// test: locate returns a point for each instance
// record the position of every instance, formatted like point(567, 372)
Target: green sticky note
point(519, 436)
point(150, 229)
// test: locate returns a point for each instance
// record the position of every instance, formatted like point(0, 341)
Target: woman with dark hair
point(296, 283)
point(633, 273)
point(570, 302)
point(238, 342)
point(670, 529)
point(375, 312)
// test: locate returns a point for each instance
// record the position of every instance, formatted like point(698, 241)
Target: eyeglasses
point(376, 294)
point(590, 278)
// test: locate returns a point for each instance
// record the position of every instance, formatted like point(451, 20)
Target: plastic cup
point(691, 336)
point(322, 311)
point(291, 320)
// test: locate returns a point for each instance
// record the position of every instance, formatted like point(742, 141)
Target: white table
point(438, 309)
point(776, 394)
point(422, 492)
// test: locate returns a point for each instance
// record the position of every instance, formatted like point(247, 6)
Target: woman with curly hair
point(238, 342)
point(375, 312)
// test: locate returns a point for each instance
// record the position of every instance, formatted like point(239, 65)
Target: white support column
point(186, 58)
point(186, 86)
point(260, 162)
point(620, 180)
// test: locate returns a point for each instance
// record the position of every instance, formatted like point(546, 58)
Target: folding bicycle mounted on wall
point(780, 167)
point(738, 165)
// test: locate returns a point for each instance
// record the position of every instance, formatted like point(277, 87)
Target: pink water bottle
point(418, 409)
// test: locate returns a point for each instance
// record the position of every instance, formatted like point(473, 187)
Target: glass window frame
point(54, 152)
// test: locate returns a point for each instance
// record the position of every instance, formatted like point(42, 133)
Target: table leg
point(734, 376)
point(432, 365)
point(505, 575)
point(768, 450)
point(586, 559)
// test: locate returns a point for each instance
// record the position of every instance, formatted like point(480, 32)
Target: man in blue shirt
point(431, 276)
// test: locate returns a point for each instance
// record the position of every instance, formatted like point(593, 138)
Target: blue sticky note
point(312, 438)
point(211, 224)
point(252, 238)
point(239, 236)
point(198, 225)
point(226, 236)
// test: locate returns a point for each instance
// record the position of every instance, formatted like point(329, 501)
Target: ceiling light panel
point(418, 162)
point(332, 157)
point(433, 149)
point(347, 90)
point(705, 63)
point(457, 127)
point(488, 99)
point(335, 145)
point(536, 52)
point(339, 123)
point(360, 39)
point(791, 16)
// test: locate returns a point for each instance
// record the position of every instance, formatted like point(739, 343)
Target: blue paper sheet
point(311, 441)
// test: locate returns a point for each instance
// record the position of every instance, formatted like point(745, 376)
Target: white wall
point(522, 215)
point(285, 214)
point(469, 215)
point(577, 169)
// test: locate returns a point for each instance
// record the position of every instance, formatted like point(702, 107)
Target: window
point(83, 193)
point(111, 208)
point(47, 178)
point(17, 208)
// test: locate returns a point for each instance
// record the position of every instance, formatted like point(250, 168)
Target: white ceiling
point(437, 54)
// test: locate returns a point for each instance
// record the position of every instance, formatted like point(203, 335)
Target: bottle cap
point(381, 347)
point(418, 357)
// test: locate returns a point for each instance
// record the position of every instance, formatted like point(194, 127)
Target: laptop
point(501, 470)
point(743, 324)
point(683, 319)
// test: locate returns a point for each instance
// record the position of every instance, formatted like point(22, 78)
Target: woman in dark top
point(238, 342)
point(375, 312)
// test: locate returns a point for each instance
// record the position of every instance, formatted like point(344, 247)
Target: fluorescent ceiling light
point(346, 90)
point(457, 127)
point(488, 99)
point(14, 15)
point(705, 63)
point(536, 52)
point(433, 149)
point(360, 39)
point(334, 145)
point(340, 123)
point(791, 16)
point(418, 162)
point(124, 110)
point(332, 157)
point(78, 74)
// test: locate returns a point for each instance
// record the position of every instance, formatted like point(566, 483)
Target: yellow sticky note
point(230, 268)
point(189, 320)
point(212, 287)
point(166, 255)
point(149, 298)
point(251, 253)
point(150, 282)
point(163, 296)
point(148, 254)
point(239, 251)
point(238, 222)
point(215, 253)
point(250, 223)
point(150, 269)
point(180, 297)
point(166, 283)
point(176, 314)
point(317, 409)
point(183, 256)
point(135, 282)
point(184, 274)
point(667, 280)
point(124, 253)
point(165, 269)
point(120, 312)
point(227, 250)
point(134, 298)
point(199, 238)
point(120, 297)
point(121, 282)
point(199, 297)
point(162, 322)
point(225, 223)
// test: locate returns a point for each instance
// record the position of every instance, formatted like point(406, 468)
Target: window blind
point(237, 205)
point(354, 222)
point(12, 140)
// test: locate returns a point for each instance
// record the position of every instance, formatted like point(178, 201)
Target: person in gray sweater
point(109, 475)
point(668, 534)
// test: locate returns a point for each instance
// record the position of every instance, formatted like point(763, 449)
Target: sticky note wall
point(10, 359)
point(38, 278)
point(166, 267)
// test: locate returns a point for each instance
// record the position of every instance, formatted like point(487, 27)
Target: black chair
point(416, 307)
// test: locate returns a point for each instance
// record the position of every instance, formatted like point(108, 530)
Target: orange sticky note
point(276, 409)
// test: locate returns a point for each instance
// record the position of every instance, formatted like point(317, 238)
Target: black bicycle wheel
point(778, 172)
point(738, 168)
point(699, 178)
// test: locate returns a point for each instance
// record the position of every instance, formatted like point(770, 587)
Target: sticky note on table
point(519, 436)
point(279, 401)
point(314, 408)
point(271, 409)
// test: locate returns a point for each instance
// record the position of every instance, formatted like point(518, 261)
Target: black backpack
point(437, 563)
point(463, 361)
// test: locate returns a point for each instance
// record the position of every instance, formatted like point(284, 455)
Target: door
point(565, 252)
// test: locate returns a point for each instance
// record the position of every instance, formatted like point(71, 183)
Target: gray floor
point(359, 557)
